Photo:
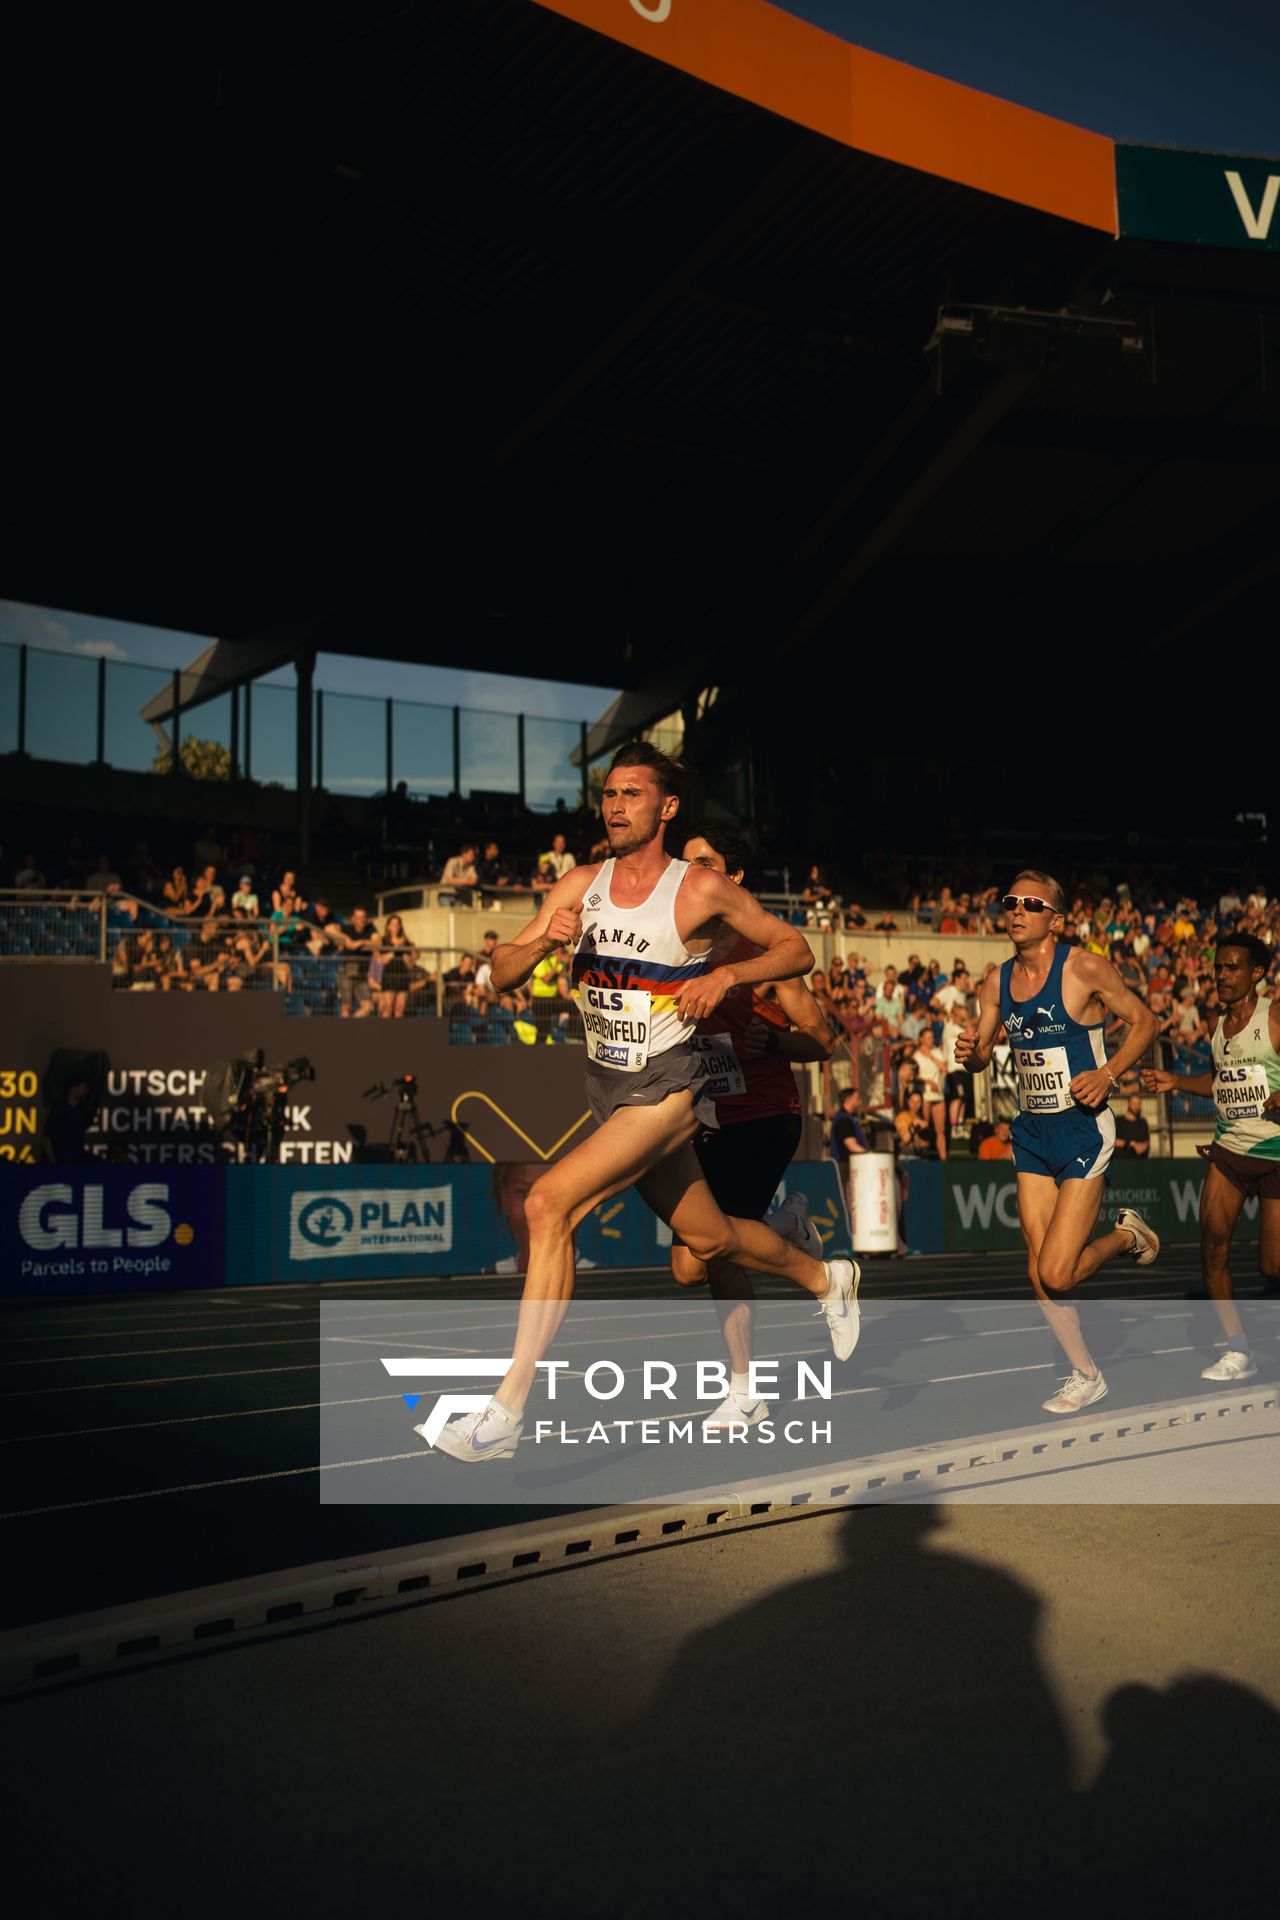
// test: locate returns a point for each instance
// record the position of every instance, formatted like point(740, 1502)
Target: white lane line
point(206, 1486)
point(146, 1353)
point(122, 1333)
point(194, 1419)
point(174, 1379)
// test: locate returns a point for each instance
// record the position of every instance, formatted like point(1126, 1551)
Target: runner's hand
point(1154, 1080)
point(1271, 1110)
point(1091, 1089)
point(966, 1046)
point(564, 929)
point(697, 998)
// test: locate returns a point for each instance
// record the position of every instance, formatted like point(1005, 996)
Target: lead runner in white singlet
point(645, 930)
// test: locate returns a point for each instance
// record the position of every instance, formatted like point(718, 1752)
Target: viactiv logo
point(325, 1222)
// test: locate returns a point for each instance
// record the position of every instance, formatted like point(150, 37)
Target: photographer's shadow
point(881, 1734)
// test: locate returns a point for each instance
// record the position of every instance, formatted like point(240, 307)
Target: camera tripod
point(408, 1131)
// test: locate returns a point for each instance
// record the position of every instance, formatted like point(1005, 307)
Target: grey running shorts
point(670, 1072)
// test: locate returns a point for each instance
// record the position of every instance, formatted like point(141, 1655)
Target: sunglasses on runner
point(1030, 901)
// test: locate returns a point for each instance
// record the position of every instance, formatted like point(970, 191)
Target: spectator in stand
point(121, 910)
point(359, 940)
point(931, 1069)
point(460, 873)
point(458, 980)
point(839, 982)
point(207, 957)
point(818, 900)
point(562, 861)
point(285, 898)
point(492, 870)
point(915, 1135)
point(203, 895)
point(547, 986)
point(891, 1001)
point(484, 962)
point(171, 966)
point(244, 901)
point(847, 1135)
point(958, 991)
point(175, 894)
point(1189, 1027)
point(1133, 1135)
point(28, 878)
point(147, 960)
point(957, 1084)
point(998, 1144)
point(102, 876)
point(855, 919)
point(886, 923)
point(248, 951)
point(545, 878)
point(399, 965)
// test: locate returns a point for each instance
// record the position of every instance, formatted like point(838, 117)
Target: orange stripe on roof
point(864, 100)
point(745, 47)
point(961, 134)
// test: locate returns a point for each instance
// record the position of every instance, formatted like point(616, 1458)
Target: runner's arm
point(1156, 1080)
point(784, 953)
point(810, 1037)
point(1095, 1085)
point(974, 1050)
point(557, 923)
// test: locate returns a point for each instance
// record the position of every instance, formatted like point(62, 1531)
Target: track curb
point(142, 1633)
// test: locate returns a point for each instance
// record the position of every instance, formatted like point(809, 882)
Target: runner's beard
point(629, 839)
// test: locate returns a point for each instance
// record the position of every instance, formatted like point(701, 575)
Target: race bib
point(1240, 1092)
point(616, 1023)
point(1044, 1079)
point(721, 1067)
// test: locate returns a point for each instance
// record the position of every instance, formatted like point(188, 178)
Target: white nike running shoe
point(736, 1410)
point(839, 1305)
point(1146, 1242)
point(791, 1223)
point(1235, 1364)
point(1076, 1391)
point(491, 1434)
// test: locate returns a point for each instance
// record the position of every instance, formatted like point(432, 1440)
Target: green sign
point(1217, 199)
point(972, 1207)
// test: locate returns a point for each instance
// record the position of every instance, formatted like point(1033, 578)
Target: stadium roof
point(590, 338)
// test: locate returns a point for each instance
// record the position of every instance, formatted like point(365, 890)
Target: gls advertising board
point(110, 1230)
point(128, 1229)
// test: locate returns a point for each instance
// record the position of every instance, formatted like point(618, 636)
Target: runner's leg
point(1220, 1204)
point(678, 1193)
point(612, 1159)
point(1056, 1223)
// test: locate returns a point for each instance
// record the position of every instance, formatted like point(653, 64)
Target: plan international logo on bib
point(370, 1221)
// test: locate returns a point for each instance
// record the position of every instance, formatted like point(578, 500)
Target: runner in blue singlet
point(1051, 1000)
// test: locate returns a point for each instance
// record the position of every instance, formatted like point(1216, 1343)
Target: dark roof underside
point(565, 363)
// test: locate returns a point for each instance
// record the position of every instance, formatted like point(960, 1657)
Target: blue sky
point(1185, 73)
point(93, 636)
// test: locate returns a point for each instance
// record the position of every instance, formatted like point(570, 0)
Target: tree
point(201, 760)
